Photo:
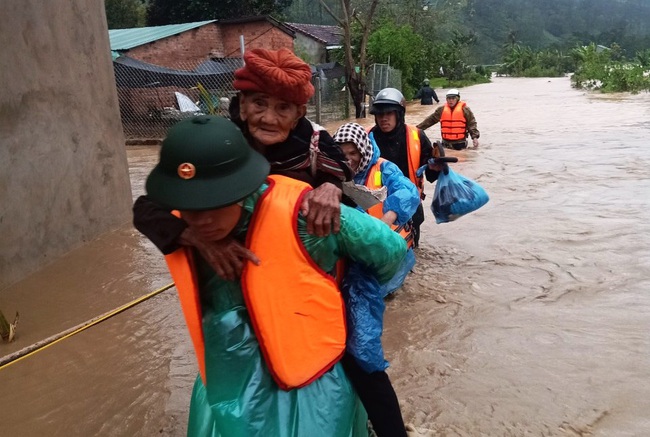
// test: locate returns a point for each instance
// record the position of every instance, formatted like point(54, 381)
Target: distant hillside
point(557, 24)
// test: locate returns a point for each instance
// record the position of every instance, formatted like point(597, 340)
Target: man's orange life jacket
point(453, 125)
point(414, 150)
point(374, 182)
point(295, 307)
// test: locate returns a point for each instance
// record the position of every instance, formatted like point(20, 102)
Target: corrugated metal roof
point(125, 39)
point(329, 35)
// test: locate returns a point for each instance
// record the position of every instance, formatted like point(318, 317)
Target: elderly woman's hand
point(225, 256)
point(322, 208)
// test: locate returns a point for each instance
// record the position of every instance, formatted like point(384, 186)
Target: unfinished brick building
point(155, 66)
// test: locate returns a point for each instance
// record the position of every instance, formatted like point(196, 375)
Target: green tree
point(125, 14)
point(402, 47)
point(174, 11)
point(643, 58)
point(356, 26)
point(518, 59)
point(598, 69)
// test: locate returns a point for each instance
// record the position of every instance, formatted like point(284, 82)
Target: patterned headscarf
point(279, 73)
point(355, 133)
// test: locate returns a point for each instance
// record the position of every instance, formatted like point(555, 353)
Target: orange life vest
point(414, 149)
point(374, 182)
point(453, 125)
point(295, 307)
point(181, 266)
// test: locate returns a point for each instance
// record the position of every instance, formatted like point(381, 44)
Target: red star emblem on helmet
point(186, 170)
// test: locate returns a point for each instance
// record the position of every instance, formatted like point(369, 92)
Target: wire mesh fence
point(380, 76)
point(331, 100)
point(152, 97)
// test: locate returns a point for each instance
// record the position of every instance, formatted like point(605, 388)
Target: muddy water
point(531, 316)
point(527, 317)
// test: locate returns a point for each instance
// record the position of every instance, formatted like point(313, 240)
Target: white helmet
point(453, 92)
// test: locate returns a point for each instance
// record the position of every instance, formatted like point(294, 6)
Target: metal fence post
point(318, 100)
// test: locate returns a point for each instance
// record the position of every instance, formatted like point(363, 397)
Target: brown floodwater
point(530, 316)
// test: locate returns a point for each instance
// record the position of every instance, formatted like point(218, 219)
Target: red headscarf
point(279, 73)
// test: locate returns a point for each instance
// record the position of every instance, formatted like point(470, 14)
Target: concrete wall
point(63, 170)
point(309, 49)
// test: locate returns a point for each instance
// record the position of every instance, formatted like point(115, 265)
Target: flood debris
point(8, 330)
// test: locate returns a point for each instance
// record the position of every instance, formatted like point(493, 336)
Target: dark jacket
point(427, 95)
point(291, 158)
point(393, 147)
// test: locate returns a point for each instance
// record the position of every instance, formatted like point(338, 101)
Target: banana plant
point(207, 100)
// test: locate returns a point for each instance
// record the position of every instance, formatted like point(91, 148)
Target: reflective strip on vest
point(414, 148)
point(374, 182)
point(453, 125)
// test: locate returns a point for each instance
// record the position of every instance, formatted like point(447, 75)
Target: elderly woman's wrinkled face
point(352, 154)
point(269, 118)
point(213, 224)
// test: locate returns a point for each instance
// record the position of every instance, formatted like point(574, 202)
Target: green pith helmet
point(205, 163)
point(425, 81)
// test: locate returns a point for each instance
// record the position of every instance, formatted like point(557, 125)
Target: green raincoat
point(241, 398)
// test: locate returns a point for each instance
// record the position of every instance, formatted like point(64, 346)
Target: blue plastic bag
point(455, 195)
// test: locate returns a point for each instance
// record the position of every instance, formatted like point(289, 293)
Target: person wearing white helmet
point(457, 122)
point(426, 94)
point(405, 145)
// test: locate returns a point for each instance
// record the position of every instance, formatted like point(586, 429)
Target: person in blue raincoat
point(374, 172)
point(363, 294)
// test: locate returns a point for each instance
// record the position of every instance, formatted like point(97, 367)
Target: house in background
point(154, 65)
point(180, 45)
point(314, 42)
point(162, 71)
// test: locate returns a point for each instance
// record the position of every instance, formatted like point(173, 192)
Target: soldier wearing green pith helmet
point(221, 186)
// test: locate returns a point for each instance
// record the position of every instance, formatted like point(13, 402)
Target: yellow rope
point(87, 325)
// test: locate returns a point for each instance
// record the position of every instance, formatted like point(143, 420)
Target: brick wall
point(142, 106)
point(191, 47)
point(219, 40)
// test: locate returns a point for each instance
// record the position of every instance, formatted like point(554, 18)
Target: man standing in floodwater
point(426, 94)
point(457, 122)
